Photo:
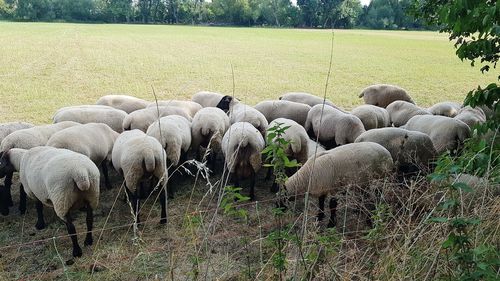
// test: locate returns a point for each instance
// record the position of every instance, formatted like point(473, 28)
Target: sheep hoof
point(163, 220)
point(40, 225)
point(88, 241)
point(77, 252)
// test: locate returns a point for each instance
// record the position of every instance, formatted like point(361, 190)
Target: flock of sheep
point(59, 163)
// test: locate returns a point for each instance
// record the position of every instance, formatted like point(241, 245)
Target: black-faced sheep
point(123, 102)
point(141, 119)
point(401, 111)
point(242, 145)
point(339, 169)
point(92, 114)
point(94, 140)
point(284, 109)
point(62, 179)
point(446, 133)
point(372, 116)
point(382, 95)
point(445, 108)
point(137, 156)
point(332, 126)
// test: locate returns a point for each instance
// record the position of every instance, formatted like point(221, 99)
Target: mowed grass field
point(45, 66)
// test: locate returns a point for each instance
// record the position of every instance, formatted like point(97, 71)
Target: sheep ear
point(224, 103)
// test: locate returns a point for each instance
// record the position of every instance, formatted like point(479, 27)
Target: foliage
point(230, 199)
point(389, 14)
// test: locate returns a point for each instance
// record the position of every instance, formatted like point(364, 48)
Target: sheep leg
point(77, 251)
point(333, 213)
point(269, 173)
point(321, 203)
point(40, 223)
point(163, 214)
point(134, 202)
point(8, 184)
point(22, 200)
point(90, 222)
point(104, 168)
point(252, 186)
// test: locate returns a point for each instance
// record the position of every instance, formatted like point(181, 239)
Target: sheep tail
point(127, 123)
point(82, 180)
point(149, 161)
point(205, 131)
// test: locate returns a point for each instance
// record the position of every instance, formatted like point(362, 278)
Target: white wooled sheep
point(190, 107)
point(445, 108)
point(207, 99)
point(240, 112)
point(123, 102)
point(372, 116)
point(92, 114)
point(283, 109)
point(306, 98)
point(401, 111)
point(383, 94)
point(141, 119)
point(471, 116)
point(7, 128)
point(296, 135)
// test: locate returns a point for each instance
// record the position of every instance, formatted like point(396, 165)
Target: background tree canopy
point(380, 14)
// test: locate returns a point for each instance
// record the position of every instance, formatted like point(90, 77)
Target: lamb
point(174, 134)
point(26, 139)
point(401, 111)
point(239, 112)
point(136, 156)
point(334, 127)
point(336, 170)
point(446, 133)
point(7, 128)
point(207, 99)
point(383, 94)
point(141, 119)
point(242, 145)
point(62, 179)
point(471, 116)
point(190, 107)
point(92, 114)
point(411, 151)
point(445, 108)
point(284, 109)
point(372, 116)
point(123, 102)
point(208, 127)
point(94, 140)
point(306, 98)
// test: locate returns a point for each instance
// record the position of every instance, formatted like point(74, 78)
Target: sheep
point(372, 116)
point(239, 112)
point(383, 94)
point(92, 114)
point(471, 116)
point(208, 127)
point(190, 107)
point(314, 148)
point(26, 139)
point(7, 128)
point(401, 111)
point(94, 140)
point(332, 126)
point(296, 135)
point(446, 133)
point(410, 150)
point(62, 179)
point(242, 145)
point(306, 98)
point(445, 108)
point(207, 99)
point(141, 119)
point(174, 134)
point(123, 102)
point(284, 109)
point(136, 156)
point(334, 171)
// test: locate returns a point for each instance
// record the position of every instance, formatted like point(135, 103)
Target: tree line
point(379, 14)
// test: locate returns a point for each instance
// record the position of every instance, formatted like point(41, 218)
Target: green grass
point(46, 66)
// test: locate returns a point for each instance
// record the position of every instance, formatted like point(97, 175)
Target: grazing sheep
point(190, 107)
point(306, 98)
point(92, 114)
point(333, 126)
point(137, 156)
point(141, 119)
point(62, 179)
point(298, 148)
point(372, 116)
point(207, 99)
point(284, 109)
point(314, 148)
point(334, 171)
point(411, 151)
point(382, 95)
point(7, 128)
point(239, 112)
point(401, 111)
point(208, 127)
point(242, 145)
point(174, 134)
point(445, 108)
point(446, 133)
point(94, 140)
point(471, 116)
point(123, 102)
